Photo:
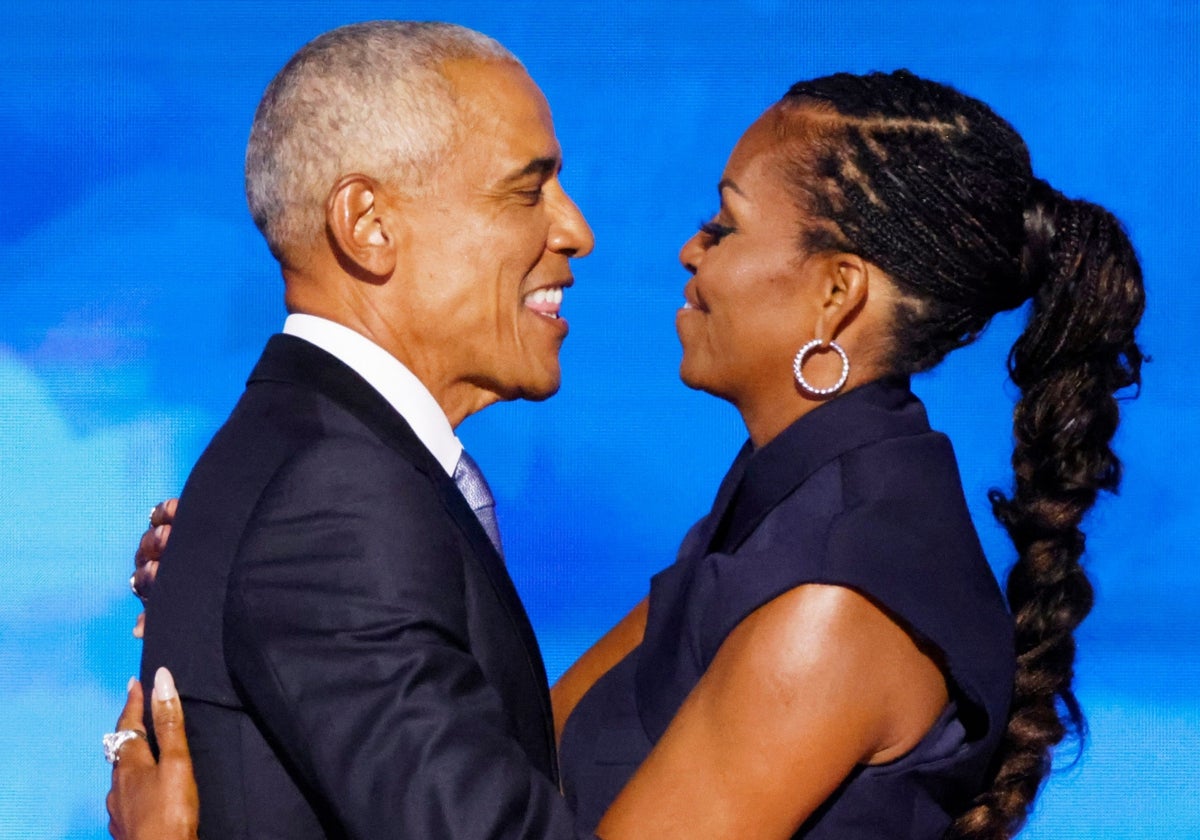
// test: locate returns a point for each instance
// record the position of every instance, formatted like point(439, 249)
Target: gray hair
point(368, 98)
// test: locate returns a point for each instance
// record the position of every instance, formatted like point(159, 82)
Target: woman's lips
point(691, 300)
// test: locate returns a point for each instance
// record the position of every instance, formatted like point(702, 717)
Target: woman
point(829, 656)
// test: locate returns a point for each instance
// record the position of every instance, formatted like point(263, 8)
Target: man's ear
point(845, 279)
point(361, 229)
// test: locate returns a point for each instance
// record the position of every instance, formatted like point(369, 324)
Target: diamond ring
point(113, 742)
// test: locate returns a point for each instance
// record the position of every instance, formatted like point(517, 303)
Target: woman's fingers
point(168, 722)
point(131, 714)
point(151, 545)
point(149, 550)
point(133, 758)
point(135, 752)
point(163, 513)
point(177, 798)
point(150, 801)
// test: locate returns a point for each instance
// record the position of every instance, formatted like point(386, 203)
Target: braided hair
point(937, 190)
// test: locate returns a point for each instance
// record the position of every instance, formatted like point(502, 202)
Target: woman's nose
point(691, 253)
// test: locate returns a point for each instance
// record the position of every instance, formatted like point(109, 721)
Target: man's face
point(489, 247)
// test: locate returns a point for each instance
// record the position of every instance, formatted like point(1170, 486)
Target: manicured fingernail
point(164, 685)
point(129, 685)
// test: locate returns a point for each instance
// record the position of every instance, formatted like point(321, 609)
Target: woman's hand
point(148, 800)
point(149, 550)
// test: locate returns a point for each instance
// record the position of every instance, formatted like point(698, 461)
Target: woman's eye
point(716, 231)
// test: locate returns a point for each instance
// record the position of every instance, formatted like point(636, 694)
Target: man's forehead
point(506, 118)
point(479, 85)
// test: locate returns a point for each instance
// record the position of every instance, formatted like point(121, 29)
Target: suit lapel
point(717, 521)
point(296, 361)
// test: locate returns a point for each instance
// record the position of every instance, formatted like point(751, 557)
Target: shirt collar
point(387, 375)
point(760, 479)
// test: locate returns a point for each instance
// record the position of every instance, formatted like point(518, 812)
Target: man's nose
point(570, 233)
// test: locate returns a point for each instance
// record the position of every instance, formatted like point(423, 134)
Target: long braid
point(937, 190)
point(1076, 353)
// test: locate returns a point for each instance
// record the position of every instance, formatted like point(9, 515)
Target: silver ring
point(133, 588)
point(113, 742)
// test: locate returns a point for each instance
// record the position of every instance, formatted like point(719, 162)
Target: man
point(351, 655)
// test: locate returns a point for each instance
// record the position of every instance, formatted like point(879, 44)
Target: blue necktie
point(475, 490)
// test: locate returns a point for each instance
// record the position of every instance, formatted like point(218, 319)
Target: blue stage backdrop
point(136, 295)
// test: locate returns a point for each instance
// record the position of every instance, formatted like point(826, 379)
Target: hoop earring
point(798, 363)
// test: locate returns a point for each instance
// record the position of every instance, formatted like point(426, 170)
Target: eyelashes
point(715, 231)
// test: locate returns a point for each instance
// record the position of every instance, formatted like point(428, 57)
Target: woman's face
point(749, 304)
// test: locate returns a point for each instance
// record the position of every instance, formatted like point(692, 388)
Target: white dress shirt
point(387, 375)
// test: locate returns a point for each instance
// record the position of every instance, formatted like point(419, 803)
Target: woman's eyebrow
point(727, 183)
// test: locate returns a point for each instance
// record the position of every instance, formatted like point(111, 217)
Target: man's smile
point(546, 301)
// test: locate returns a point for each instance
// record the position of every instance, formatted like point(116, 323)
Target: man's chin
point(532, 388)
point(542, 390)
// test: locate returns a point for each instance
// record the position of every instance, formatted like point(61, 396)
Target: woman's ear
point(360, 227)
point(845, 279)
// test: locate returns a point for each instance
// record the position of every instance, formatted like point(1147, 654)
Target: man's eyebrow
point(727, 183)
point(544, 166)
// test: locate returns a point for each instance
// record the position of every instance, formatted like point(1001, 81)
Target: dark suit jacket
point(352, 656)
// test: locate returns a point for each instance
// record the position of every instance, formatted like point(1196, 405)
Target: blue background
point(136, 295)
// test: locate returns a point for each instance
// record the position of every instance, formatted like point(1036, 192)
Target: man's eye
point(531, 196)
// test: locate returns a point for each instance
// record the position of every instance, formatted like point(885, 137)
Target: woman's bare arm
point(611, 648)
point(807, 687)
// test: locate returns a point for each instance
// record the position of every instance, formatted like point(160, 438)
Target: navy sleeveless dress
point(857, 493)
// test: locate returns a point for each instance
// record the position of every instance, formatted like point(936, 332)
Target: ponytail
point(1076, 354)
point(937, 190)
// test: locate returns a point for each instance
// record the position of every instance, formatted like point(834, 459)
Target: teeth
point(553, 295)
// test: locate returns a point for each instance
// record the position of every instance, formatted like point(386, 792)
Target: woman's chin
point(690, 376)
point(700, 379)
